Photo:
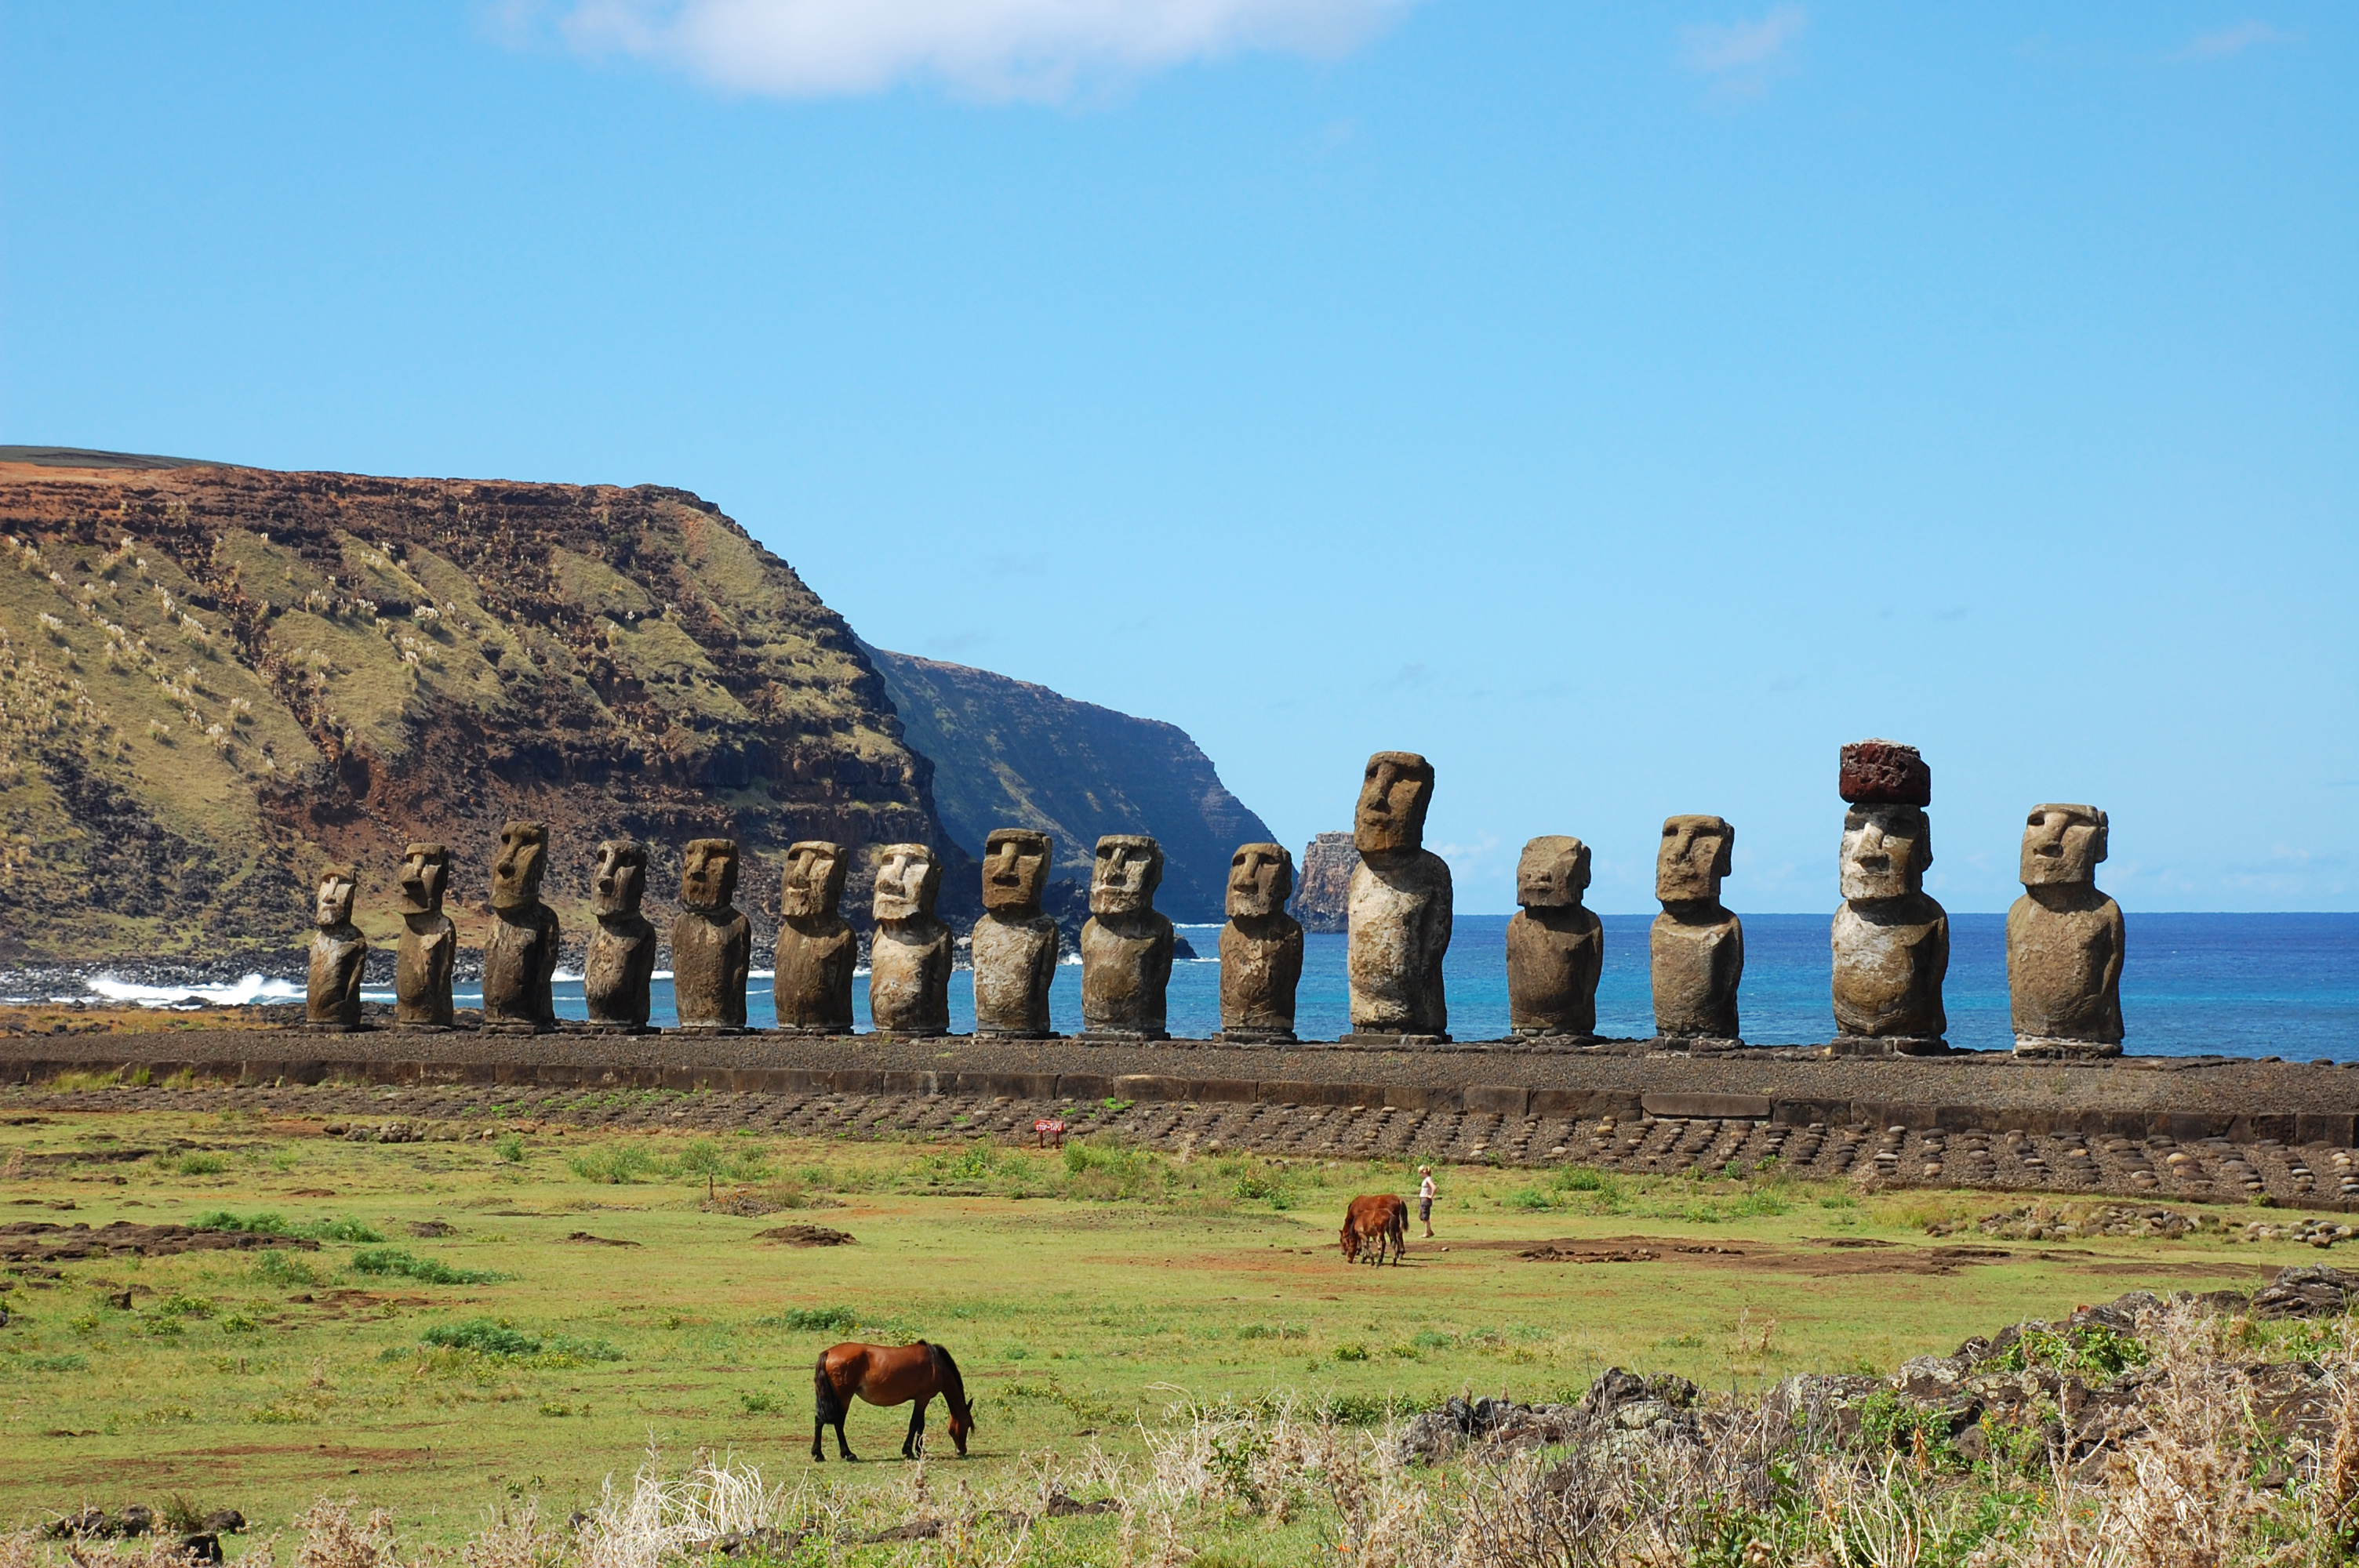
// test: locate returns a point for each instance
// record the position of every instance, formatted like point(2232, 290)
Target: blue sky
point(1623, 405)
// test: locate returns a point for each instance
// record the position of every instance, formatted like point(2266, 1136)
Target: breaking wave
point(254, 989)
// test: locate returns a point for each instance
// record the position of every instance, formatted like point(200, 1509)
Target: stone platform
point(2191, 1129)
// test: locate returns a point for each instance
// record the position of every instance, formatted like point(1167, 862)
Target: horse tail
point(946, 1373)
point(830, 1405)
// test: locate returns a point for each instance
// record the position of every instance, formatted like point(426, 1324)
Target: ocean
point(2246, 985)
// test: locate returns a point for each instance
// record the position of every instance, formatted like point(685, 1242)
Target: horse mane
point(953, 1385)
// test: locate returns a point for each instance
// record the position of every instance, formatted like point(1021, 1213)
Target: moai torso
point(909, 955)
point(621, 964)
point(1555, 947)
point(423, 958)
point(711, 940)
point(338, 954)
point(1015, 965)
point(1891, 942)
point(1261, 945)
point(816, 948)
point(1014, 945)
point(521, 955)
point(1398, 906)
point(1696, 947)
point(2064, 938)
point(1126, 945)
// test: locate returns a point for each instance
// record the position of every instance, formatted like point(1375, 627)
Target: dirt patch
point(40, 1241)
point(587, 1240)
point(806, 1236)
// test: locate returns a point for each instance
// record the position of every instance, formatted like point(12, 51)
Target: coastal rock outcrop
point(1323, 886)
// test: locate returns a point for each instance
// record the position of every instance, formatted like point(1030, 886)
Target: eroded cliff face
point(1011, 754)
point(213, 679)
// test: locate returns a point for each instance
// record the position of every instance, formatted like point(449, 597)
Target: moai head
point(425, 876)
point(1885, 849)
point(1693, 859)
point(2062, 844)
point(331, 909)
point(516, 872)
point(1261, 879)
point(621, 879)
point(708, 874)
point(1394, 794)
point(1123, 877)
point(1552, 872)
point(1015, 871)
point(908, 877)
point(814, 883)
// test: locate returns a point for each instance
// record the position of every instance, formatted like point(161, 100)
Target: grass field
point(589, 1303)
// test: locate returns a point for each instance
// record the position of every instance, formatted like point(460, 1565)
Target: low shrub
point(488, 1336)
point(396, 1260)
point(616, 1164)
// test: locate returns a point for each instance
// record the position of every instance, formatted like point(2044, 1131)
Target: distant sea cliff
point(1008, 753)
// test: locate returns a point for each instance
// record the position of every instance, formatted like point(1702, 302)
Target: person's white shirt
point(1425, 1189)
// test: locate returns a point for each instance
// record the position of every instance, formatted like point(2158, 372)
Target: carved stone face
point(516, 873)
point(2062, 844)
point(814, 883)
point(1261, 879)
point(1693, 859)
point(333, 907)
point(1015, 870)
point(621, 879)
point(1123, 877)
point(1394, 794)
point(908, 877)
point(1552, 872)
point(708, 874)
point(425, 876)
point(1885, 849)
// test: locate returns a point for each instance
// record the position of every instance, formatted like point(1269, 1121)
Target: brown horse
point(888, 1375)
point(1376, 1218)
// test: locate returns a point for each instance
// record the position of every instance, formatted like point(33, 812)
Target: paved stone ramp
point(2212, 1170)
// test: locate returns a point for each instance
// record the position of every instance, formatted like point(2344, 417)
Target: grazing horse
point(887, 1375)
point(1375, 1220)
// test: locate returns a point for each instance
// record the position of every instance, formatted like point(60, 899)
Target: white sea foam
point(252, 990)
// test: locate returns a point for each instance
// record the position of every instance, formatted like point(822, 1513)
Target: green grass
point(1077, 1289)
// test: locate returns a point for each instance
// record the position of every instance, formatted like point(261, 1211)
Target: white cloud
point(2231, 41)
point(1740, 56)
point(1036, 49)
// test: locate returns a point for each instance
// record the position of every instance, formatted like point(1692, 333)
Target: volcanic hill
point(214, 679)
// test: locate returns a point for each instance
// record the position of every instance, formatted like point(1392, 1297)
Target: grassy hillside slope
point(212, 679)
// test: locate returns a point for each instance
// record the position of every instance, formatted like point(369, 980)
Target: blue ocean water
point(2247, 985)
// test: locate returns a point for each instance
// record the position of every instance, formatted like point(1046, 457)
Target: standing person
point(1425, 1199)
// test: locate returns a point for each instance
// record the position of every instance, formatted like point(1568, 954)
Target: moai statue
point(2064, 939)
point(1015, 946)
point(422, 958)
point(909, 957)
point(1126, 945)
point(1696, 947)
point(332, 999)
point(1398, 907)
point(1891, 941)
point(622, 957)
point(1261, 948)
point(711, 941)
point(817, 949)
point(1555, 945)
point(521, 952)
